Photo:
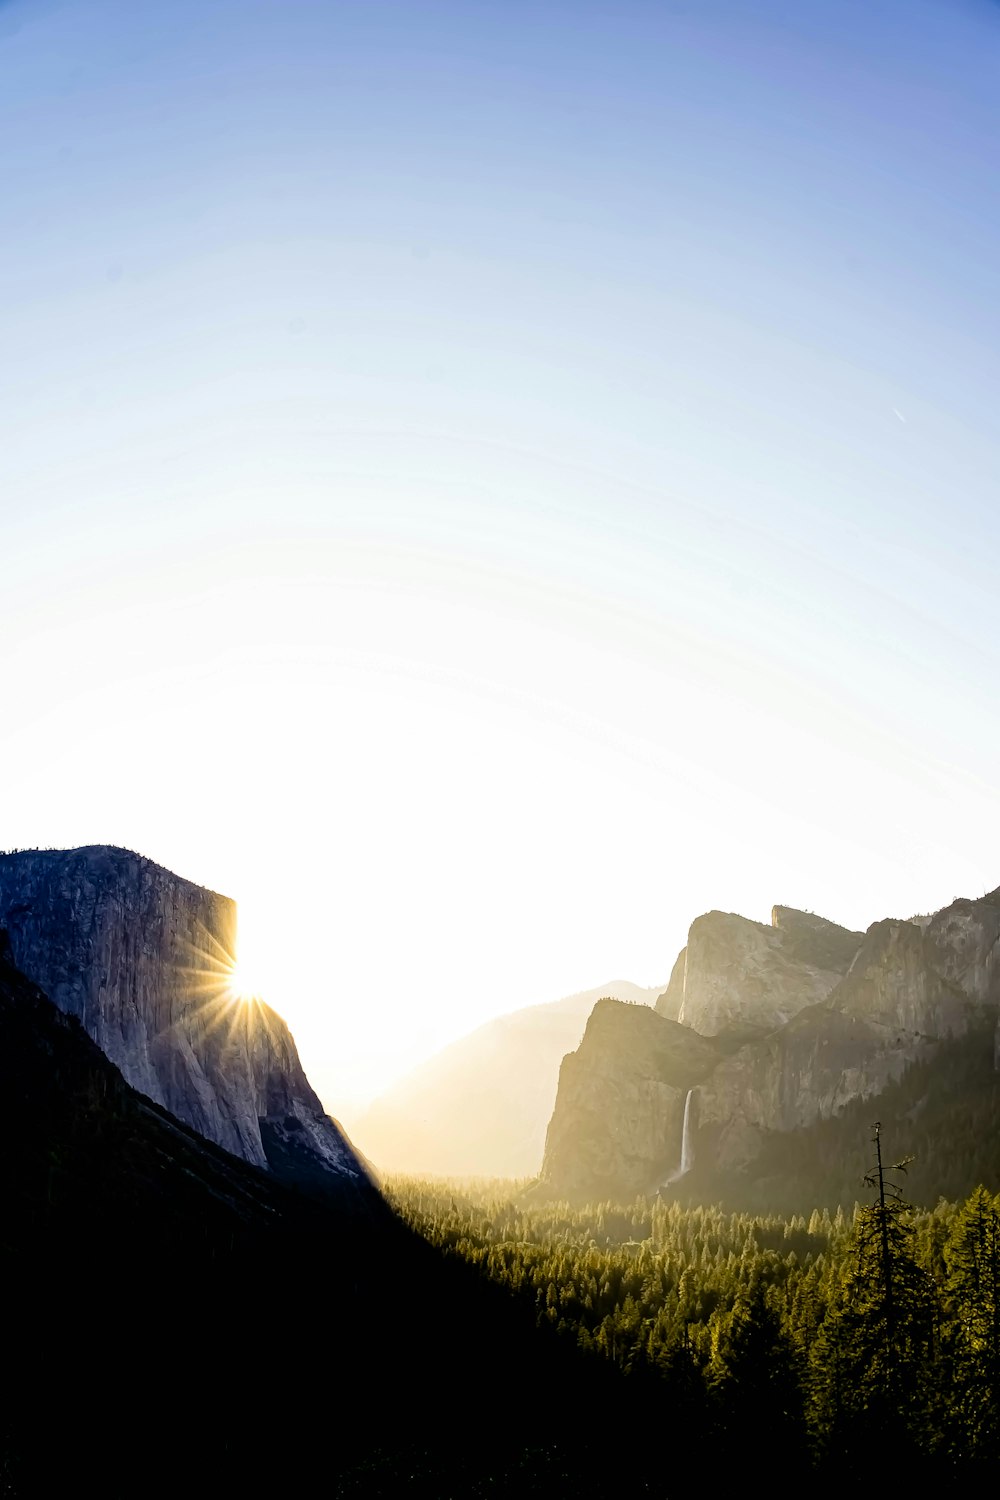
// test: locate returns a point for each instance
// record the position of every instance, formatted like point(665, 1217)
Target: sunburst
point(221, 992)
point(241, 986)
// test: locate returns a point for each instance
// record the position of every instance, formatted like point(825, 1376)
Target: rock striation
point(802, 1017)
point(142, 958)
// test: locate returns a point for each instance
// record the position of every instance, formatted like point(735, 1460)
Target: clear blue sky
point(521, 473)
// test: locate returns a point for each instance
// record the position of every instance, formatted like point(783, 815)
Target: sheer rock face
point(802, 1072)
point(817, 1016)
point(962, 941)
point(142, 958)
point(894, 982)
point(742, 977)
point(620, 1105)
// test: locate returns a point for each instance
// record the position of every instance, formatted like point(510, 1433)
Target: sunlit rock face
point(142, 958)
point(742, 978)
point(962, 940)
point(806, 1016)
point(617, 1123)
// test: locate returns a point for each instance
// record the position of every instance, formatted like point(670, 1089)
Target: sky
point(483, 483)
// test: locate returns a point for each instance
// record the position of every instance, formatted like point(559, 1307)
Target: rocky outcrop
point(806, 1016)
point(617, 1123)
point(962, 942)
point(143, 958)
point(742, 978)
point(895, 982)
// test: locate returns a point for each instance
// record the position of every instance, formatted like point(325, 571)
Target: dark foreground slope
point(176, 1321)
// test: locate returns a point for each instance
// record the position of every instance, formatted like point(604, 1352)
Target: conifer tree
point(755, 1376)
point(871, 1358)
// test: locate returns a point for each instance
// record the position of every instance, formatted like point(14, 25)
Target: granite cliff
point(142, 959)
point(616, 1127)
point(737, 979)
point(802, 1017)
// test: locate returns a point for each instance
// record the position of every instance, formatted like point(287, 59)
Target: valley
point(170, 1164)
point(499, 907)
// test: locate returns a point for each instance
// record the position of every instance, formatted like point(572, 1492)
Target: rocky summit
point(142, 959)
point(769, 1029)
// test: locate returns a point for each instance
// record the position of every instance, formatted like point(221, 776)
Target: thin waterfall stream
point(687, 1150)
point(687, 1147)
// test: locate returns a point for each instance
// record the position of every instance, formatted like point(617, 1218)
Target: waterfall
point(687, 1149)
point(687, 1153)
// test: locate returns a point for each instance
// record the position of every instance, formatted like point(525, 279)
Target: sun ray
point(221, 993)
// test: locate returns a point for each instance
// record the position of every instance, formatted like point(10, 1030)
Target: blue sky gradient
point(578, 384)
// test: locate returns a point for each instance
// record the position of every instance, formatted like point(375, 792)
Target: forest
point(846, 1338)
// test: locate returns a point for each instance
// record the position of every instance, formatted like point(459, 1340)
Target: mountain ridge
point(804, 1026)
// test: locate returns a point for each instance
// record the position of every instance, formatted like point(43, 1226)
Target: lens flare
point(240, 985)
point(222, 992)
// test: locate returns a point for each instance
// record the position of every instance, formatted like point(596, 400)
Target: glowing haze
point(485, 483)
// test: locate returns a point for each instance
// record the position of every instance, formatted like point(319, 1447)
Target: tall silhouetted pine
point(873, 1383)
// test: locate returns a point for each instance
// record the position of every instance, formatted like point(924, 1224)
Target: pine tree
point(871, 1359)
point(756, 1376)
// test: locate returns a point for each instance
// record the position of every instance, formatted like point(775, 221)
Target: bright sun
point(241, 985)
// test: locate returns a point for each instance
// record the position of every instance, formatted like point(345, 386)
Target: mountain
point(94, 1151)
point(800, 1019)
point(154, 1280)
point(143, 959)
point(177, 1320)
point(479, 1108)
